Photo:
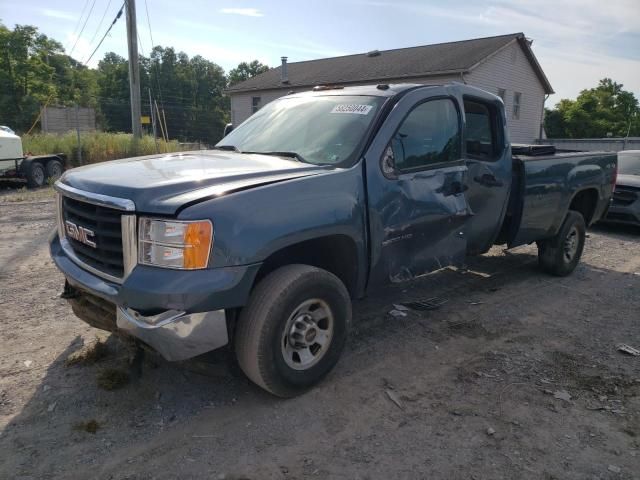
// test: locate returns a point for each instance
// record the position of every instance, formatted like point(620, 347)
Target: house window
point(255, 104)
point(517, 97)
point(502, 93)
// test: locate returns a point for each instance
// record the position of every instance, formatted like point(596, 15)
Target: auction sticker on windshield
point(352, 108)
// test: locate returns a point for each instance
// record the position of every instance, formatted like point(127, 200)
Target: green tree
point(597, 112)
point(244, 71)
point(33, 70)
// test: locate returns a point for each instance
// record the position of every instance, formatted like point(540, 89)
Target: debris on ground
point(628, 349)
point(112, 379)
point(91, 426)
point(399, 306)
point(397, 313)
point(394, 398)
point(428, 304)
point(52, 407)
point(90, 354)
point(562, 395)
point(614, 469)
point(491, 431)
point(28, 363)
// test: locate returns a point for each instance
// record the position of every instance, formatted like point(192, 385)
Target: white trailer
point(35, 169)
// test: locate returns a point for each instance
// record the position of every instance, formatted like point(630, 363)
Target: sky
point(577, 42)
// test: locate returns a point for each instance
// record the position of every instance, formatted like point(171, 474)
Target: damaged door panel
point(417, 202)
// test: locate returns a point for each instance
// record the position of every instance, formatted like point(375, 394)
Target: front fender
point(251, 225)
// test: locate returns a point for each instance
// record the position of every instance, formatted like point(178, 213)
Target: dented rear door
point(416, 179)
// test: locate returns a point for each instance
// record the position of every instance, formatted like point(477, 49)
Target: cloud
point(58, 14)
point(245, 12)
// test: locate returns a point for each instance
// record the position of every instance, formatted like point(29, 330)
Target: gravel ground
point(517, 375)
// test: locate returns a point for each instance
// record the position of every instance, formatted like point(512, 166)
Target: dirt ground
point(516, 376)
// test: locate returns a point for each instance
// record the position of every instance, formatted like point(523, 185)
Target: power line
point(119, 14)
point(153, 65)
point(93, 4)
point(75, 29)
point(100, 24)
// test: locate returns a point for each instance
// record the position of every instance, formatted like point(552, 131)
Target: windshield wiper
point(231, 148)
point(295, 155)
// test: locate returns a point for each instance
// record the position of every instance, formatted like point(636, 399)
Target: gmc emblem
point(81, 234)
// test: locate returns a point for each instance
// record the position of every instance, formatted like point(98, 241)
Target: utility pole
point(134, 69)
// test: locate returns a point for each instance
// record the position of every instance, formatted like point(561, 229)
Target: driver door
point(416, 179)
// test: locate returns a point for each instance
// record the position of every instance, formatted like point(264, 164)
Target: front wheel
point(293, 329)
point(560, 255)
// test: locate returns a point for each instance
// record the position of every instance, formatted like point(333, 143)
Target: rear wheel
point(560, 255)
point(35, 175)
point(54, 169)
point(293, 330)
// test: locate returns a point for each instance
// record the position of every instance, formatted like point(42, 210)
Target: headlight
point(175, 244)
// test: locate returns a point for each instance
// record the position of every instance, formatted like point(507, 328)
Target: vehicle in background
point(625, 204)
point(4, 128)
point(318, 198)
point(35, 169)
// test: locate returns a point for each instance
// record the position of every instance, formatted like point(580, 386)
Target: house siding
point(511, 70)
point(508, 69)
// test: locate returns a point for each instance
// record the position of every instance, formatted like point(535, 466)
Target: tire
point(283, 302)
point(54, 169)
point(560, 255)
point(35, 175)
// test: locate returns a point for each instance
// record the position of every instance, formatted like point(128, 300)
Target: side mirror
point(228, 128)
point(388, 162)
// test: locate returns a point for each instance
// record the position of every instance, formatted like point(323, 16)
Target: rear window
point(482, 133)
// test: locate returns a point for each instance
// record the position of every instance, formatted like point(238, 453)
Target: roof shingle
point(426, 60)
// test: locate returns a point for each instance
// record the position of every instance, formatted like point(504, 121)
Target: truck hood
point(162, 184)
point(628, 181)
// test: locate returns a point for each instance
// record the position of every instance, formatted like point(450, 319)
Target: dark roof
point(400, 63)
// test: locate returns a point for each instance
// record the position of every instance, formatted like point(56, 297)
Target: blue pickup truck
point(318, 198)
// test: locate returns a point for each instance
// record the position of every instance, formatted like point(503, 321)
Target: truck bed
point(546, 183)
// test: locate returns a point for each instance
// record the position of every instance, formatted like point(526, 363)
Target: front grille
point(625, 195)
point(106, 225)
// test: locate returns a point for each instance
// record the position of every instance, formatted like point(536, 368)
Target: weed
point(112, 379)
point(89, 355)
point(91, 426)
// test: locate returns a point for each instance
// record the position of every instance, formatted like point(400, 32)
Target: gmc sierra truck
point(318, 198)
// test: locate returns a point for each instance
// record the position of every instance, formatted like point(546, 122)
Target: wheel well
point(585, 203)
point(335, 253)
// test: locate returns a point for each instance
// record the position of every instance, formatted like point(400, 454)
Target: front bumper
point(176, 335)
point(179, 313)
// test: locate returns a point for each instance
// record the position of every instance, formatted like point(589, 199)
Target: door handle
point(452, 188)
point(488, 180)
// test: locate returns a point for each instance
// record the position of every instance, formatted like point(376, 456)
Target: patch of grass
point(90, 354)
point(95, 146)
point(112, 379)
point(24, 195)
point(91, 426)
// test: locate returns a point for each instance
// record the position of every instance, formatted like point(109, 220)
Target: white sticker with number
point(352, 108)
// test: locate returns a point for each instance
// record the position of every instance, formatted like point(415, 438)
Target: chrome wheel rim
point(570, 246)
point(38, 176)
point(56, 171)
point(307, 334)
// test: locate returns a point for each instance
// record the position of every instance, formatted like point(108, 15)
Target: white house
point(504, 65)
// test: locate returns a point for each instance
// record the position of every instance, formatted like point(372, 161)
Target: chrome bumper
point(176, 335)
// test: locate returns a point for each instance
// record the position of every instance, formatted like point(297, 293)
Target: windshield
point(324, 130)
point(629, 164)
